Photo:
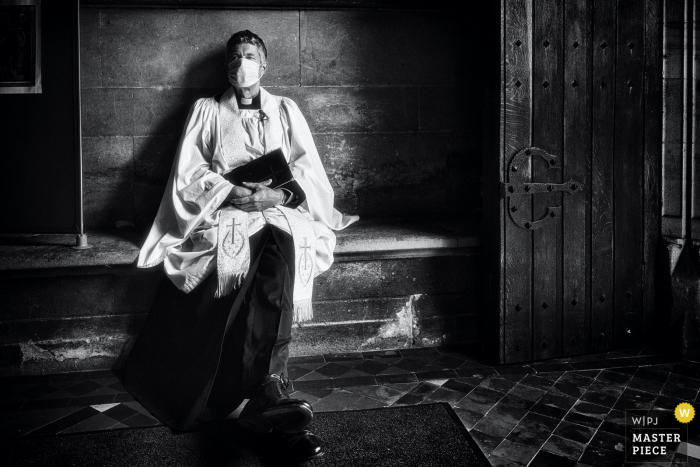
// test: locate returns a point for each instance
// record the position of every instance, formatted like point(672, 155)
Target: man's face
point(247, 51)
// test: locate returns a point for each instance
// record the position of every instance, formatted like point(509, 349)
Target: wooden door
point(574, 216)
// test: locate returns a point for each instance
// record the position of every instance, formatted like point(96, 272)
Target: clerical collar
point(252, 103)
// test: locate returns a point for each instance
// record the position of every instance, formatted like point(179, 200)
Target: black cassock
point(197, 356)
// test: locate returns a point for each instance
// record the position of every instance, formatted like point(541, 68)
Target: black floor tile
point(38, 391)
point(514, 370)
point(517, 402)
point(613, 428)
point(381, 354)
point(633, 399)
point(82, 388)
point(599, 398)
point(475, 371)
point(65, 422)
point(557, 400)
point(140, 419)
point(498, 384)
point(334, 357)
point(419, 351)
point(372, 367)
point(120, 412)
point(443, 374)
point(410, 399)
point(306, 359)
point(332, 370)
point(592, 365)
point(355, 381)
point(296, 372)
point(123, 397)
point(547, 459)
point(448, 362)
point(574, 432)
point(486, 442)
point(6, 407)
point(568, 389)
point(533, 430)
point(45, 404)
point(584, 420)
point(313, 384)
point(456, 385)
point(587, 373)
point(546, 367)
point(423, 389)
point(629, 370)
point(548, 410)
point(606, 440)
point(91, 400)
point(576, 379)
point(393, 379)
point(318, 392)
point(597, 457)
point(592, 410)
point(409, 364)
point(537, 382)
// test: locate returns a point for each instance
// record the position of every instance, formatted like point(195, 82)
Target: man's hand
point(261, 198)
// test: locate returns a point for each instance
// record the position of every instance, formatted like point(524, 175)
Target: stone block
point(451, 108)
point(340, 110)
point(431, 306)
point(90, 58)
point(393, 174)
point(317, 340)
point(349, 280)
point(351, 48)
point(55, 297)
point(134, 292)
point(447, 330)
point(163, 111)
point(432, 275)
point(107, 112)
point(153, 158)
point(146, 201)
point(77, 328)
point(108, 181)
point(178, 48)
point(357, 310)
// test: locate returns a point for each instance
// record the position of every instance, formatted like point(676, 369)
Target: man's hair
point(246, 37)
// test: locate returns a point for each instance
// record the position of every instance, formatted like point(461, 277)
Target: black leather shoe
point(298, 447)
point(271, 408)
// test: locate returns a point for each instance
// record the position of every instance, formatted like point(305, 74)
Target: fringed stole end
point(303, 311)
point(228, 282)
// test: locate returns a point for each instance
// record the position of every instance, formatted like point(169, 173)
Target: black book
point(271, 166)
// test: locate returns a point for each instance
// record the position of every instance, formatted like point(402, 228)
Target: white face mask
point(243, 73)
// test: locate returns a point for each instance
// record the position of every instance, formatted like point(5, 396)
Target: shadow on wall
point(153, 153)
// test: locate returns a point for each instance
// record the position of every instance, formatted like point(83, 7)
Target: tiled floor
point(559, 413)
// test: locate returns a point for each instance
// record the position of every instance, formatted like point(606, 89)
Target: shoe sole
point(289, 420)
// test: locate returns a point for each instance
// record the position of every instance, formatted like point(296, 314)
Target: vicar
point(240, 262)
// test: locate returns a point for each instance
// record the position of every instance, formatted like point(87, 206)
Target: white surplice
point(219, 137)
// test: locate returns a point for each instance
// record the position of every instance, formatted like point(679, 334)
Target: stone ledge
point(367, 239)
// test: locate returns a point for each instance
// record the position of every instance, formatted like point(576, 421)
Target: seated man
point(241, 262)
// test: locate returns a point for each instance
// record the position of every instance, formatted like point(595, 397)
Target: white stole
point(233, 249)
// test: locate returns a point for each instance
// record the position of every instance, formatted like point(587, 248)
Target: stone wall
point(393, 98)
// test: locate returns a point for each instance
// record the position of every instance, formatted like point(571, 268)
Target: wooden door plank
point(674, 153)
point(629, 172)
point(602, 212)
point(577, 160)
point(695, 149)
point(518, 242)
point(548, 94)
point(652, 156)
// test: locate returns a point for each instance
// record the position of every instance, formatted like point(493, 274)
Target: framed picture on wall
point(20, 46)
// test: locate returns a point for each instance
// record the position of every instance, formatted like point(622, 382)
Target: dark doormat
point(415, 436)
